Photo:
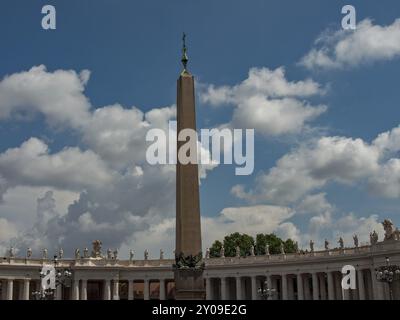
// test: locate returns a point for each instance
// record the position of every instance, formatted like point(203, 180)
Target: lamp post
point(265, 292)
point(388, 274)
point(61, 277)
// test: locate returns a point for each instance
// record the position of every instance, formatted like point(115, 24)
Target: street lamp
point(388, 274)
point(266, 292)
point(62, 277)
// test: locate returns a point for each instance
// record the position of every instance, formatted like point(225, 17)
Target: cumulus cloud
point(110, 189)
point(312, 166)
point(267, 102)
point(345, 48)
point(58, 95)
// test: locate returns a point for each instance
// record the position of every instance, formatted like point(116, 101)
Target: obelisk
point(189, 282)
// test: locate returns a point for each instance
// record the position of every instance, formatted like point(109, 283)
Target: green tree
point(244, 241)
point(215, 250)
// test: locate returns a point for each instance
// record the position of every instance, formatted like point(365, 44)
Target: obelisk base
point(189, 284)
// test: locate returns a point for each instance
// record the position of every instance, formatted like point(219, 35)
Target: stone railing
point(276, 258)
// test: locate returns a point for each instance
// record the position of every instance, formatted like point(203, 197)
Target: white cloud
point(312, 166)
point(32, 164)
point(58, 95)
point(267, 102)
point(346, 48)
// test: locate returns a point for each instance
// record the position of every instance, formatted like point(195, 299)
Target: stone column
point(361, 285)
point(25, 294)
point(315, 287)
point(284, 287)
point(307, 289)
point(107, 290)
point(238, 288)
point(130, 290)
point(162, 289)
point(338, 285)
point(322, 286)
point(254, 295)
point(290, 288)
point(58, 292)
point(84, 290)
point(300, 289)
point(146, 290)
point(223, 289)
point(10, 287)
point(208, 289)
point(115, 289)
point(75, 290)
point(269, 285)
point(377, 287)
point(331, 289)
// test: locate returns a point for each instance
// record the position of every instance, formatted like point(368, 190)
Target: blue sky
point(132, 49)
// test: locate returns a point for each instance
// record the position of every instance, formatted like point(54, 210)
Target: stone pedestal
point(189, 284)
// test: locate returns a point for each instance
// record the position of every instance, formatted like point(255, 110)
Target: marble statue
point(96, 249)
point(237, 251)
point(44, 253)
point(397, 234)
point(341, 243)
point(252, 251)
point(373, 238)
point(267, 249)
point(389, 229)
point(222, 251)
point(146, 254)
point(77, 254)
point(355, 238)
point(29, 253)
point(131, 255)
point(312, 246)
point(12, 252)
point(109, 254)
point(326, 244)
point(60, 253)
point(86, 253)
point(116, 254)
point(208, 253)
point(161, 254)
point(282, 248)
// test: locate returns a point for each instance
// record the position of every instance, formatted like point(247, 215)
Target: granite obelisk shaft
point(189, 284)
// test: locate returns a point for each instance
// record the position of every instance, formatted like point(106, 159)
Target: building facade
point(299, 276)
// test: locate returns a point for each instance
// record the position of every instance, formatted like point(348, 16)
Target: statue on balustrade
point(237, 251)
point(252, 251)
point(312, 246)
point(208, 253)
point(86, 253)
point(109, 254)
point(355, 238)
point(389, 228)
point(267, 249)
point(29, 253)
point(282, 248)
point(161, 254)
point(146, 254)
point(61, 253)
point(326, 244)
point(96, 249)
point(11, 252)
point(77, 254)
point(222, 251)
point(341, 243)
point(373, 238)
point(131, 255)
point(45, 254)
point(116, 254)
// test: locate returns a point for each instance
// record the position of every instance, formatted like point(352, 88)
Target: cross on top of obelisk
point(185, 58)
